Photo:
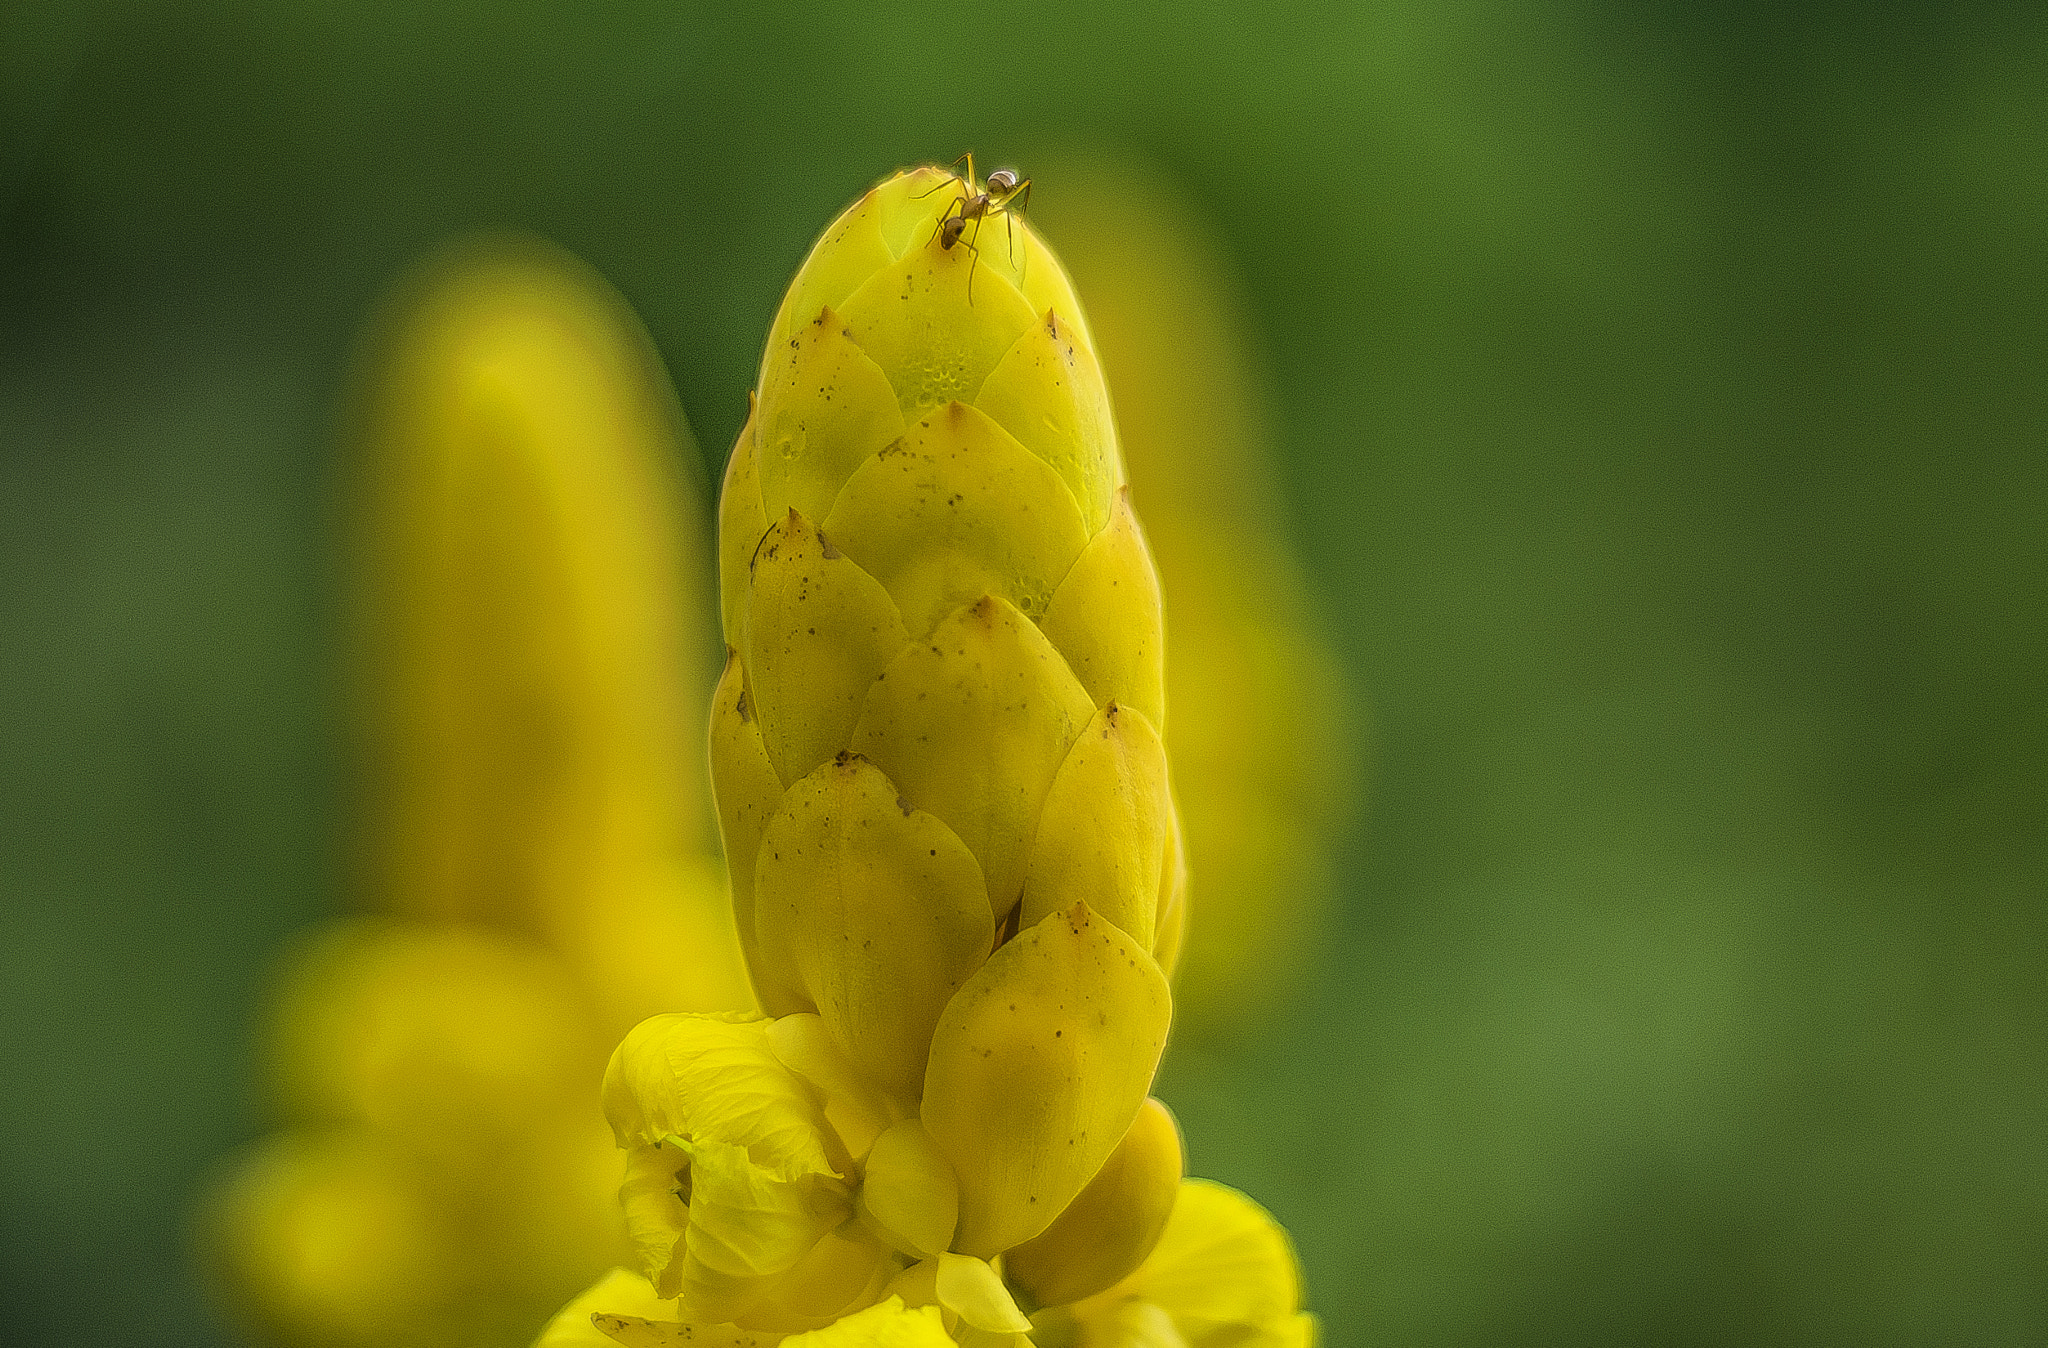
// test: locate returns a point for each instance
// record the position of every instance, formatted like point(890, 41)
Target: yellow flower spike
point(1173, 900)
point(973, 726)
point(856, 1110)
point(663, 1332)
point(826, 407)
point(972, 1290)
point(1064, 420)
point(868, 236)
point(820, 631)
point(910, 1194)
point(954, 510)
point(845, 1270)
point(1037, 1070)
point(882, 911)
point(748, 789)
point(1102, 838)
point(1223, 1272)
point(917, 1285)
point(1105, 617)
point(1114, 1223)
point(758, 1178)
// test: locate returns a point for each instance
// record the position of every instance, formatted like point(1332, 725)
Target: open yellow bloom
point(943, 790)
point(539, 849)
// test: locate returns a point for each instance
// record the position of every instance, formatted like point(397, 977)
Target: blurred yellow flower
point(537, 842)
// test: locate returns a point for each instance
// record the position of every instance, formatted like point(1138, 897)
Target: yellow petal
point(972, 725)
point(1139, 1324)
point(853, 1106)
point(883, 912)
point(851, 250)
point(1038, 1068)
point(819, 632)
point(742, 519)
point(618, 1292)
point(655, 1197)
point(709, 1077)
point(844, 1269)
point(748, 790)
point(954, 510)
point(888, 1325)
point(1109, 1229)
point(917, 1285)
point(909, 1191)
point(825, 408)
point(915, 320)
point(1048, 392)
point(1223, 1269)
point(1105, 618)
point(1102, 838)
point(970, 1289)
point(747, 1222)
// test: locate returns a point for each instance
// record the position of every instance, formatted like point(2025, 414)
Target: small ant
point(1003, 194)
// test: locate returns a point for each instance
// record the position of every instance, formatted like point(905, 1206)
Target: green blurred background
point(1663, 394)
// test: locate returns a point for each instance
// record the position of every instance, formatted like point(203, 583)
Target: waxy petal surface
point(972, 725)
point(910, 1190)
point(1037, 1070)
point(825, 409)
point(1048, 392)
point(1114, 1223)
point(1106, 619)
point(881, 909)
point(915, 320)
point(954, 510)
point(742, 519)
point(819, 630)
point(1102, 838)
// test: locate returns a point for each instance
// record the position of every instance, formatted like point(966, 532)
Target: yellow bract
point(1038, 1067)
point(883, 912)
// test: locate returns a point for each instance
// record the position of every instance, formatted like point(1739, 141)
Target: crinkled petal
point(709, 1077)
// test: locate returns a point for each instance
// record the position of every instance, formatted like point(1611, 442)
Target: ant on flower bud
point(1004, 194)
